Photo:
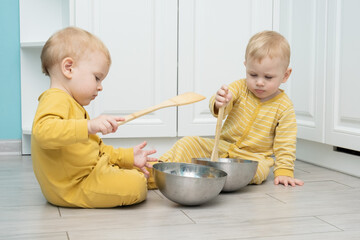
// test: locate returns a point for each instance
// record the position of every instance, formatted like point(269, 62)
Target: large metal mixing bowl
point(240, 172)
point(188, 184)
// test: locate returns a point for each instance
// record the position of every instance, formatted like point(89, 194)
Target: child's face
point(87, 76)
point(264, 78)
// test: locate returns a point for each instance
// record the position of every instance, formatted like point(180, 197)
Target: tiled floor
point(326, 207)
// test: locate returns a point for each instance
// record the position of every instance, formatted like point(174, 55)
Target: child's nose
point(100, 87)
point(260, 82)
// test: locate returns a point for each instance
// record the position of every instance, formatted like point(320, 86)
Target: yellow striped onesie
point(253, 130)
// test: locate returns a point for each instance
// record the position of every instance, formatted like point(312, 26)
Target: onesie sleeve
point(123, 157)
point(212, 105)
point(236, 88)
point(285, 144)
point(52, 127)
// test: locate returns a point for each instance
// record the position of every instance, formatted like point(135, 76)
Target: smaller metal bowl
point(240, 172)
point(188, 184)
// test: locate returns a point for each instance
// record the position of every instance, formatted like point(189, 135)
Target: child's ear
point(67, 67)
point(287, 75)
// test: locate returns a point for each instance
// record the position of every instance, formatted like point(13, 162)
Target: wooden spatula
point(215, 152)
point(182, 99)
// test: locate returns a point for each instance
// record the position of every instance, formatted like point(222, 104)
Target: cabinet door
point(213, 35)
point(303, 23)
point(142, 38)
point(342, 91)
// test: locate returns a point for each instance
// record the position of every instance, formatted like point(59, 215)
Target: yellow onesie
point(75, 169)
point(254, 130)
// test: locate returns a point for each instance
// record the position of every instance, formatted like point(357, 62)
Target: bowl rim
point(219, 173)
point(226, 160)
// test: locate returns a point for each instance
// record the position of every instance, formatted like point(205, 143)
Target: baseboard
point(10, 147)
point(326, 156)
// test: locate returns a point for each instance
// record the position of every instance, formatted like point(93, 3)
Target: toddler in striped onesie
point(260, 123)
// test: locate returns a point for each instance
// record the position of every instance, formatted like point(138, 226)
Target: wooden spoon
point(182, 99)
point(215, 152)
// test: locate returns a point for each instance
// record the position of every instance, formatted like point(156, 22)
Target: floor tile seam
point(284, 235)
point(261, 220)
point(22, 187)
point(192, 220)
point(106, 228)
point(330, 196)
point(59, 211)
point(130, 213)
point(333, 191)
point(344, 184)
point(273, 197)
point(299, 169)
point(20, 205)
point(28, 219)
point(323, 220)
point(326, 169)
point(281, 235)
point(5, 236)
point(330, 180)
point(253, 221)
point(336, 214)
point(64, 227)
point(159, 194)
point(325, 180)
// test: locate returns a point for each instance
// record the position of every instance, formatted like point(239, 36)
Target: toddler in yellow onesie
point(72, 165)
point(260, 123)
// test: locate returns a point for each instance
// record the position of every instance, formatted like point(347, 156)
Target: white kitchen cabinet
point(303, 23)
point(213, 35)
point(179, 46)
point(342, 86)
point(324, 58)
point(159, 48)
point(142, 38)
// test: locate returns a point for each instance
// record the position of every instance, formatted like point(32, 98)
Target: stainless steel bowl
point(240, 172)
point(188, 184)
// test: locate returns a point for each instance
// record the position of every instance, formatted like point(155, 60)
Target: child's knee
point(113, 190)
point(136, 188)
point(257, 180)
point(187, 140)
point(106, 200)
point(261, 174)
point(178, 152)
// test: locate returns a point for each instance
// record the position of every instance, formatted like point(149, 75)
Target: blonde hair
point(70, 42)
point(268, 43)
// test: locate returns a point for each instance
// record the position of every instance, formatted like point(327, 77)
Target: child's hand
point(223, 97)
point(104, 124)
point(285, 180)
point(141, 159)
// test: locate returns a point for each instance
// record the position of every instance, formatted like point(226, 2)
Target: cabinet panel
point(213, 35)
point(303, 23)
point(39, 19)
point(323, 85)
point(343, 113)
point(142, 38)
